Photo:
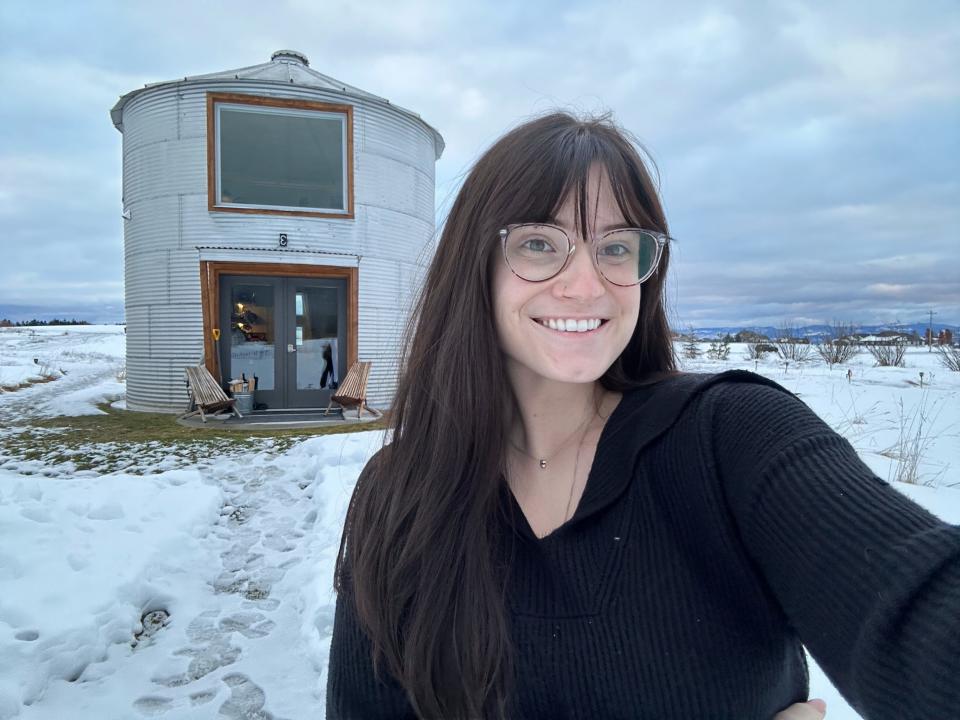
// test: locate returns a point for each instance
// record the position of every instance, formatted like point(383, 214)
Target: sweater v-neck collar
point(613, 462)
point(642, 415)
point(610, 472)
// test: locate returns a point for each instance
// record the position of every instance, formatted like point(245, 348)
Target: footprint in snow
point(248, 624)
point(246, 699)
point(201, 628)
point(277, 541)
point(202, 697)
point(152, 705)
point(203, 661)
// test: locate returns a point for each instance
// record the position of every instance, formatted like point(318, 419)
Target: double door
point(288, 332)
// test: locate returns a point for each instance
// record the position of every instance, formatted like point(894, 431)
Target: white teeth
point(570, 325)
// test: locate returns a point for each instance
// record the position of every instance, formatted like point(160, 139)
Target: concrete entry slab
point(281, 420)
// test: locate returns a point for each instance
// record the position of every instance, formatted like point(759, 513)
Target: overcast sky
point(808, 151)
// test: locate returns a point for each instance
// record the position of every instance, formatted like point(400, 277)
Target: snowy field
point(202, 589)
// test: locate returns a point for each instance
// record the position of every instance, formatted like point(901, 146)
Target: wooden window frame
point(272, 102)
point(211, 270)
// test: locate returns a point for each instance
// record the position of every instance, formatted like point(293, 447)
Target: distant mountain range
point(815, 332)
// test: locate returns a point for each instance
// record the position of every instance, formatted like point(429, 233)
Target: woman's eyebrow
point(601, 231)
point(617, 226)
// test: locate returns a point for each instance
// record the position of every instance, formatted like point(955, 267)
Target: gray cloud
point(807, 154)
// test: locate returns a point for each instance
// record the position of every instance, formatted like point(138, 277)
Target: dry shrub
point(791, 346)
point(889, 355)
point(949, 357)
point(839, 345)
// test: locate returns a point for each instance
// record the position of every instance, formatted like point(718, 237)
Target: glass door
point(287, 332)
point(317, 325)
point(250, 323)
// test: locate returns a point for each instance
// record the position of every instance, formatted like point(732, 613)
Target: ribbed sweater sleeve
point(870, 580)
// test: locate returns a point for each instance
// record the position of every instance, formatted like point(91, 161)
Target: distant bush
point(888, 355)
point(839, 345)
point(791, 346)
point(756, 350)
point(949, 357)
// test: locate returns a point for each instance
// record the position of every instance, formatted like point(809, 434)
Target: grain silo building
point(285, 211)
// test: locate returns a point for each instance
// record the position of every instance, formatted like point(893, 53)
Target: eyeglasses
point(536, 252)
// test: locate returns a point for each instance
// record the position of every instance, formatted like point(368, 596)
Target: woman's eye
point(615, 250)
point(537, 245)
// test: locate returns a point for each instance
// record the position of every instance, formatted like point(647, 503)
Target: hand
point(810, 710)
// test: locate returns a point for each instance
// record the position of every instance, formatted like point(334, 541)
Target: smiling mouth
point(571, 325)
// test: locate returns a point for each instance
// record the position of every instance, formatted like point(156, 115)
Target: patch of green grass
point(126, 426)
point(137, 442)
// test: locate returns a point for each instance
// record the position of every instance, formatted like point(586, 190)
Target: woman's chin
point(579, 375)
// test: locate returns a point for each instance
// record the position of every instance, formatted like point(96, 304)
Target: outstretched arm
point(870, 579)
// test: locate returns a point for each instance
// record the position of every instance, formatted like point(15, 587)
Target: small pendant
point(543, 464)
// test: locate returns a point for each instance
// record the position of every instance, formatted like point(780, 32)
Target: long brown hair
point(420, 550)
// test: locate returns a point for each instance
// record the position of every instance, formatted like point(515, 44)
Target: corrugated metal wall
point(165, 191)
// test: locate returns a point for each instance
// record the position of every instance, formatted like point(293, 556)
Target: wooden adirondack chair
point(206, 395)
point(353, 390)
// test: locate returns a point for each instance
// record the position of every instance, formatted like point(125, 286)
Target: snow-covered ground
point(880, 410)
point(85, 359)
point(228, 560)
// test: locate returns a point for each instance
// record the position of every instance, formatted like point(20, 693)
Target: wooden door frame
point(211, 270)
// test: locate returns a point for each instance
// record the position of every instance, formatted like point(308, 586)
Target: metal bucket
point(244, 402)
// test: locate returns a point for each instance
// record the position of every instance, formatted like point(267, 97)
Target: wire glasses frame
point(524, 267)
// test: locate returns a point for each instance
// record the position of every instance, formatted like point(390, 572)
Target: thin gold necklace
point(576, 469)
point(543, 461)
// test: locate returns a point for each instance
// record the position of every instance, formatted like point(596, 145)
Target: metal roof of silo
point(286, 67)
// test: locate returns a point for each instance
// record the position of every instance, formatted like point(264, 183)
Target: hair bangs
point(542, 177)
point(591, 145)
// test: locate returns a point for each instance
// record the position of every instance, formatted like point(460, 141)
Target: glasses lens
point(536, 252)
point(626, 257)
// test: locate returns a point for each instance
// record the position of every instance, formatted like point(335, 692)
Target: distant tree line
point(42, 323)
point(835, 346)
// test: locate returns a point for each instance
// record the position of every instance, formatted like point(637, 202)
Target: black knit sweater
point(722, 524)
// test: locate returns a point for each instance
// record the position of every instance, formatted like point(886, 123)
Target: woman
point(562, 526)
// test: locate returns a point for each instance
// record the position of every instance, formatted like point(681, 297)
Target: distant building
point(748, 336)
point(885, 337)
point(277, 223)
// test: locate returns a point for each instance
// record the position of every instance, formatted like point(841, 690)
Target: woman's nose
point(581, 278)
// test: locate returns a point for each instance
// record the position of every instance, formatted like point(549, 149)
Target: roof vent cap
point(290, 56)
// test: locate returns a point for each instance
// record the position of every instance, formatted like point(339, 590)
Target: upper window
point(277, 156)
